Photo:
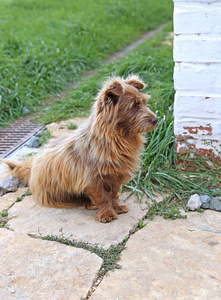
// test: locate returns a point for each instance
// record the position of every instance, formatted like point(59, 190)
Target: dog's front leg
point(103, 200)
point(112, 185)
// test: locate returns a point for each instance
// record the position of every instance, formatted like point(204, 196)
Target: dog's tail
point(22, 170)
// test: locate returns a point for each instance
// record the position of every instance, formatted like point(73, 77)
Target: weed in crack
point(141, 225)
point(27, 193)
point(3, 218)
point(4, 213)
point(110, 256)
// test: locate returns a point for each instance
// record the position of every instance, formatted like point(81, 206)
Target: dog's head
point(122, 104)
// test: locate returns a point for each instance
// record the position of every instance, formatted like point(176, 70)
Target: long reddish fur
point(89, 167)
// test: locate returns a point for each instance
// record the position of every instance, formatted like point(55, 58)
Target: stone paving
point(168, 260)
point(164, 260)
point(36, 269)
point(75, 224)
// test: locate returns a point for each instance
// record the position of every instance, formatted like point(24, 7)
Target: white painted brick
point(198, 79)
point(197, 18)
point(198, 122)
point(196, 48)
point(197, 74)
point(192, 127)
point(199, 144)
point(198, 129)
point(197, 108)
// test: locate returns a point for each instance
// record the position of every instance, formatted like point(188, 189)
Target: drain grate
point(16, 134)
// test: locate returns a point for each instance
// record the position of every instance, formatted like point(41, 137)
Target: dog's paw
point(121, 209)
point(106, 216)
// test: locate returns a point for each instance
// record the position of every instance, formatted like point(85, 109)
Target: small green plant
point(45, 136)
point(27, 193)
point(141, 225)
point(3, 218)
point(71, 126)
point(31, 154)
point(165, 209)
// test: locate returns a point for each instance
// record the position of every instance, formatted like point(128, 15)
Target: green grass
point(166, 209)
point(153, 61)
point(45, 45)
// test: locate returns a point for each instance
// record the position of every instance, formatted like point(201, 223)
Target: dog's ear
point(113, 92)
point(136, 82)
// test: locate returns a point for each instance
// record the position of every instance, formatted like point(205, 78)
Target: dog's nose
point(154, 120)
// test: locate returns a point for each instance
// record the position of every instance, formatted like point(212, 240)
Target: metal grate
point(16, 134)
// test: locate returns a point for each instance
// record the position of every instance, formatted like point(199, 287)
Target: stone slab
point(8, 199)
point(168, 260)
point(63, 124)
point(59, 129)
point(33, 269)
point(62, 133)
point(75, 223)
point(207, 221)
point(22, 153)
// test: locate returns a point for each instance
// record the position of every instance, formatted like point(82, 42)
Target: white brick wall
point(197, 74)
point(204, 47)
point(197, 17)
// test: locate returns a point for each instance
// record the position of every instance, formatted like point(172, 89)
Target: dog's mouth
point(140, 125)
point(149, 124)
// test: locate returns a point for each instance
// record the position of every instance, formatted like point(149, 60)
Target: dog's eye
point(136, 105)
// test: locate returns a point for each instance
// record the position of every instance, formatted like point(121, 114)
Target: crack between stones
point(99, 278)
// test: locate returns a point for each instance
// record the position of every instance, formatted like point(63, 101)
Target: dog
point(89, 167)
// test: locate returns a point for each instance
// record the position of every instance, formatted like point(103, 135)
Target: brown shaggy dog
point(90, 166)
